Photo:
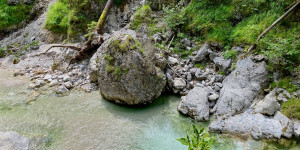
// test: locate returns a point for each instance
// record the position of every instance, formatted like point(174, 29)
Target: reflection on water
point(86, 121)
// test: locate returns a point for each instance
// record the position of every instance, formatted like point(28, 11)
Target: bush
point(291, 108)
point(12, 15)
point(197, 140)
point(57, 18)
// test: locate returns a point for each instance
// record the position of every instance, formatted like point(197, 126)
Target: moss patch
point(285, 84)
point(292, 108)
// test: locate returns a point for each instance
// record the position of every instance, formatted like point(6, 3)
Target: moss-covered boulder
point(125, 70)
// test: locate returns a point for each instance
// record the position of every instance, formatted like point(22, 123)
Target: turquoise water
point(84, 121)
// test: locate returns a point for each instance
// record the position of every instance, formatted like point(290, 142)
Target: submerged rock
point(195, 104)
point(241, 86)
point(125, 70)
point(13, 141)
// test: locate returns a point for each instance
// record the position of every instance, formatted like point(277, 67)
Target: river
point(85, 121)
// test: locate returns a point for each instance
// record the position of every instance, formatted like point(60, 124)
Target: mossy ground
point(292, 108)
point(12, 15)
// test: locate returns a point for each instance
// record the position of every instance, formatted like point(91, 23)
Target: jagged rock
point(125, 69)
point(172, 60)
point(259, 58)
point(195, 104)
point(286, 124)
point(48, 78)
point(189, 76)
point(13, 141)
point(249, 124)
point(222, 64)
point(241, 86)
point(297, 129)
point(269, 105)
point(39, 83)
point(202, 53)
point(286, 94)
point(201, 75)
point(179, 83)
point(238, 49)
point(66, 78)
point(61, 90)
point(281, 98)
point(279, 90)
point(68, 85)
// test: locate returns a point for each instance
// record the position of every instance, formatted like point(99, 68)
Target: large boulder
point(286, 123)
point(269, 105)
point(195, 104)
point(125, 70)
point(241, 86)
point(247, 123)
point(13, 141)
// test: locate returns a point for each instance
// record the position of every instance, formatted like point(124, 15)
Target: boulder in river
point(195, 104)
point(126, 70)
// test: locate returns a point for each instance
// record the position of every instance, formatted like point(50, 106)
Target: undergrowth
point(12, 15)
point(291, 108)
point(239, 22)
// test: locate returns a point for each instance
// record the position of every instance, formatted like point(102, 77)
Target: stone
point(68, 85)
point(39, 83)
point(241, 86)
point(213, 97)
point(222, 64)
point(172, 60)
point(269, 105)
point(53, 83)
point(66, 78)
point(201, 75)
point(48, 78)
point(281, 98)
point(13, 141)
point(13, 2)
point(132, 78)
point(62, 90)
point(29, 2)
point(259, 58)
point(31, 86)
point(286, 94)
point(279, 90)
point(195, 104)
point(238, 49)
point(256, 125)
point(179, 83)
point(297, 129)
point(286, 124)
point(186, 42)
point(157, 37)
point(202, 53)
point(189, 76)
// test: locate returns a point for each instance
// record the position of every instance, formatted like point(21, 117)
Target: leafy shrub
point(12, 15)
point(57, 18)
point(292, 108)
point(2, 52)
point(142, 15)
point(197, 140)
point(230, 54)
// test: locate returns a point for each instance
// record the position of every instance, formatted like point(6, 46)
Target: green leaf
point(183, 141)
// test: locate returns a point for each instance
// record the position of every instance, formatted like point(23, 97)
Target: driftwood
point(274, 23)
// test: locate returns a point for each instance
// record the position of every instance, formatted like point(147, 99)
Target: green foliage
point(240, 22)
point(200, 65)
point(108, 58)
point(12, 15)
point(285, 84)
point(57, 18)
point(110, 68)
point(91, 29)
point(141, 16)
point(291, 108)
point(230, 54)
point(197, 140)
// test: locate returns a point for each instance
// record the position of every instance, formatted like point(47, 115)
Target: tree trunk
point(100, 24)
point(274, 23)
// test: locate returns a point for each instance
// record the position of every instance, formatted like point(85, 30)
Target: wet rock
point(241, 86)
point(13, 141)
point(195, 104)
point(286, 124)
point(172, 60)
point(269, 105)
point(247, 123)
point(179, 83)
point(202, 53)
point(125, 69)
point(62, 90)
point(222, 64)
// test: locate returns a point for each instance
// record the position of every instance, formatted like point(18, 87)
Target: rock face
point(241, 87)
point(125, 70)
point(269, 105)
point(13, 141)
point(286, 123)
point(195, 104)
point(249, 124)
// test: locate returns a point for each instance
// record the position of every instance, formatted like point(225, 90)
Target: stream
point(85, 121)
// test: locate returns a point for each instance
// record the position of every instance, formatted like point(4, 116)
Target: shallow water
point(86, 121)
